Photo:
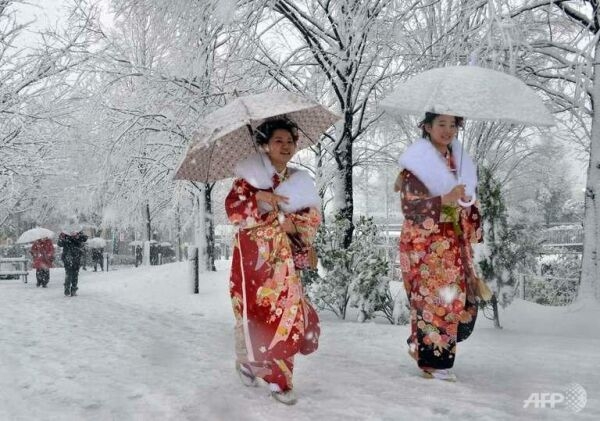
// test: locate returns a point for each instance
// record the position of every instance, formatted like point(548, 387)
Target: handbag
point(312, 329)
point(478, 288)
point(482, 290)
point(304, 255)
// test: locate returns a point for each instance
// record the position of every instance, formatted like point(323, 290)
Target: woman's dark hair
point(265, 131)
point(429, 117)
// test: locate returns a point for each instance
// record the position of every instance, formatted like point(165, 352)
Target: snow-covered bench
point(14, 266)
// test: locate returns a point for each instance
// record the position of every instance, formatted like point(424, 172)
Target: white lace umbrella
point(224, 138)
point(469, 91)
point(96, 243)
point(472, 92)
point(35, 234)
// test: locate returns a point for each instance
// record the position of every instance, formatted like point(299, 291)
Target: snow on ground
point(136, 345)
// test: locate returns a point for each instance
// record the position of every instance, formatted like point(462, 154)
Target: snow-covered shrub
point(560, 265)
point(357, 275)
point(510, 248)
point(551, 291)
point(332, 290)
point(370, 269)
point(396, 308)
point(558, 281)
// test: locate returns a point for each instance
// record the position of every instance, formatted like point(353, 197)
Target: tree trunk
point(210, 228)
point(178, 227)
point(320, 182)
point(200, 231)
point(491, 240)
point(494, 303)
point(590, 272)
point(148, 222)
point(345, 166)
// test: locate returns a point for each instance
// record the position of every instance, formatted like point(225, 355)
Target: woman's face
point(281, 147)
point(442, 130)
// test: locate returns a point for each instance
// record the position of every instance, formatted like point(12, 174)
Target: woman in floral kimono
point(275, 208)
point(435, 244)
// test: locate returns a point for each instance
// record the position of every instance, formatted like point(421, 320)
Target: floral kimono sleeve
point(241, 205)
point(307, 222)
point(471, 222)
point(417, 204)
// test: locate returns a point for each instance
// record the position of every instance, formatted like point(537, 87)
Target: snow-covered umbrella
point(34, 234)
point(472, 92)
point(136, 243)
point(96, 243)
point(225, 135)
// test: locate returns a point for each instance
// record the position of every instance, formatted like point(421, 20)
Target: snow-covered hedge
point(557, 282)
point(358, 276)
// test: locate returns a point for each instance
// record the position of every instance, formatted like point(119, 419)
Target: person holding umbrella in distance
point(42, 252)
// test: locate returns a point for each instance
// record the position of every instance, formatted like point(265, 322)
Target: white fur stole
point(299, 187)
point(426, 163)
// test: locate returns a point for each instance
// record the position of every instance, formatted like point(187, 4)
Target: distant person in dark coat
point(72, 245)
point(97, 258)
point(42, 251)
point(138, 255)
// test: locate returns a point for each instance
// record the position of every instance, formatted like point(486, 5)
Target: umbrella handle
point(460, 201)
point(466, 204)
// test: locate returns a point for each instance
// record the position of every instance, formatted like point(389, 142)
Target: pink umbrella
point(224, 137)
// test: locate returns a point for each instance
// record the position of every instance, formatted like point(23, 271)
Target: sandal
point(248, 379)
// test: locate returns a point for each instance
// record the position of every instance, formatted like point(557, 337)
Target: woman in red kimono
point(435, 244)
point(272, 204)
point(42, 251)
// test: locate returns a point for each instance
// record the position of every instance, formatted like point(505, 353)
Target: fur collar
point(425, 162)
point(299, 187)
point(256, 170)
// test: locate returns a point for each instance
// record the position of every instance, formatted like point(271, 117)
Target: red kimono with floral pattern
point(437, 264)
point(274, 321)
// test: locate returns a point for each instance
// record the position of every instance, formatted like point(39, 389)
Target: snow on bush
point(358, 276)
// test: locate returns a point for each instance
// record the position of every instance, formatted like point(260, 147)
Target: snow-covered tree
point(509, 249)
point(342, 53)
point(357, 276)
point(570, 47)
point(35, 88)
point(150, 84)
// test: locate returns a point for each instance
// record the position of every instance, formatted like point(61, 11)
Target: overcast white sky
point(44, 13)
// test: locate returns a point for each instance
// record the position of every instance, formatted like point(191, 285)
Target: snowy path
point(91, 357)
point(134, 345)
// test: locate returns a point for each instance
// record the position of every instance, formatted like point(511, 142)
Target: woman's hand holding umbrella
point(454, 195)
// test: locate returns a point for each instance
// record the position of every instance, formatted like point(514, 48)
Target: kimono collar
point(427, 164)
